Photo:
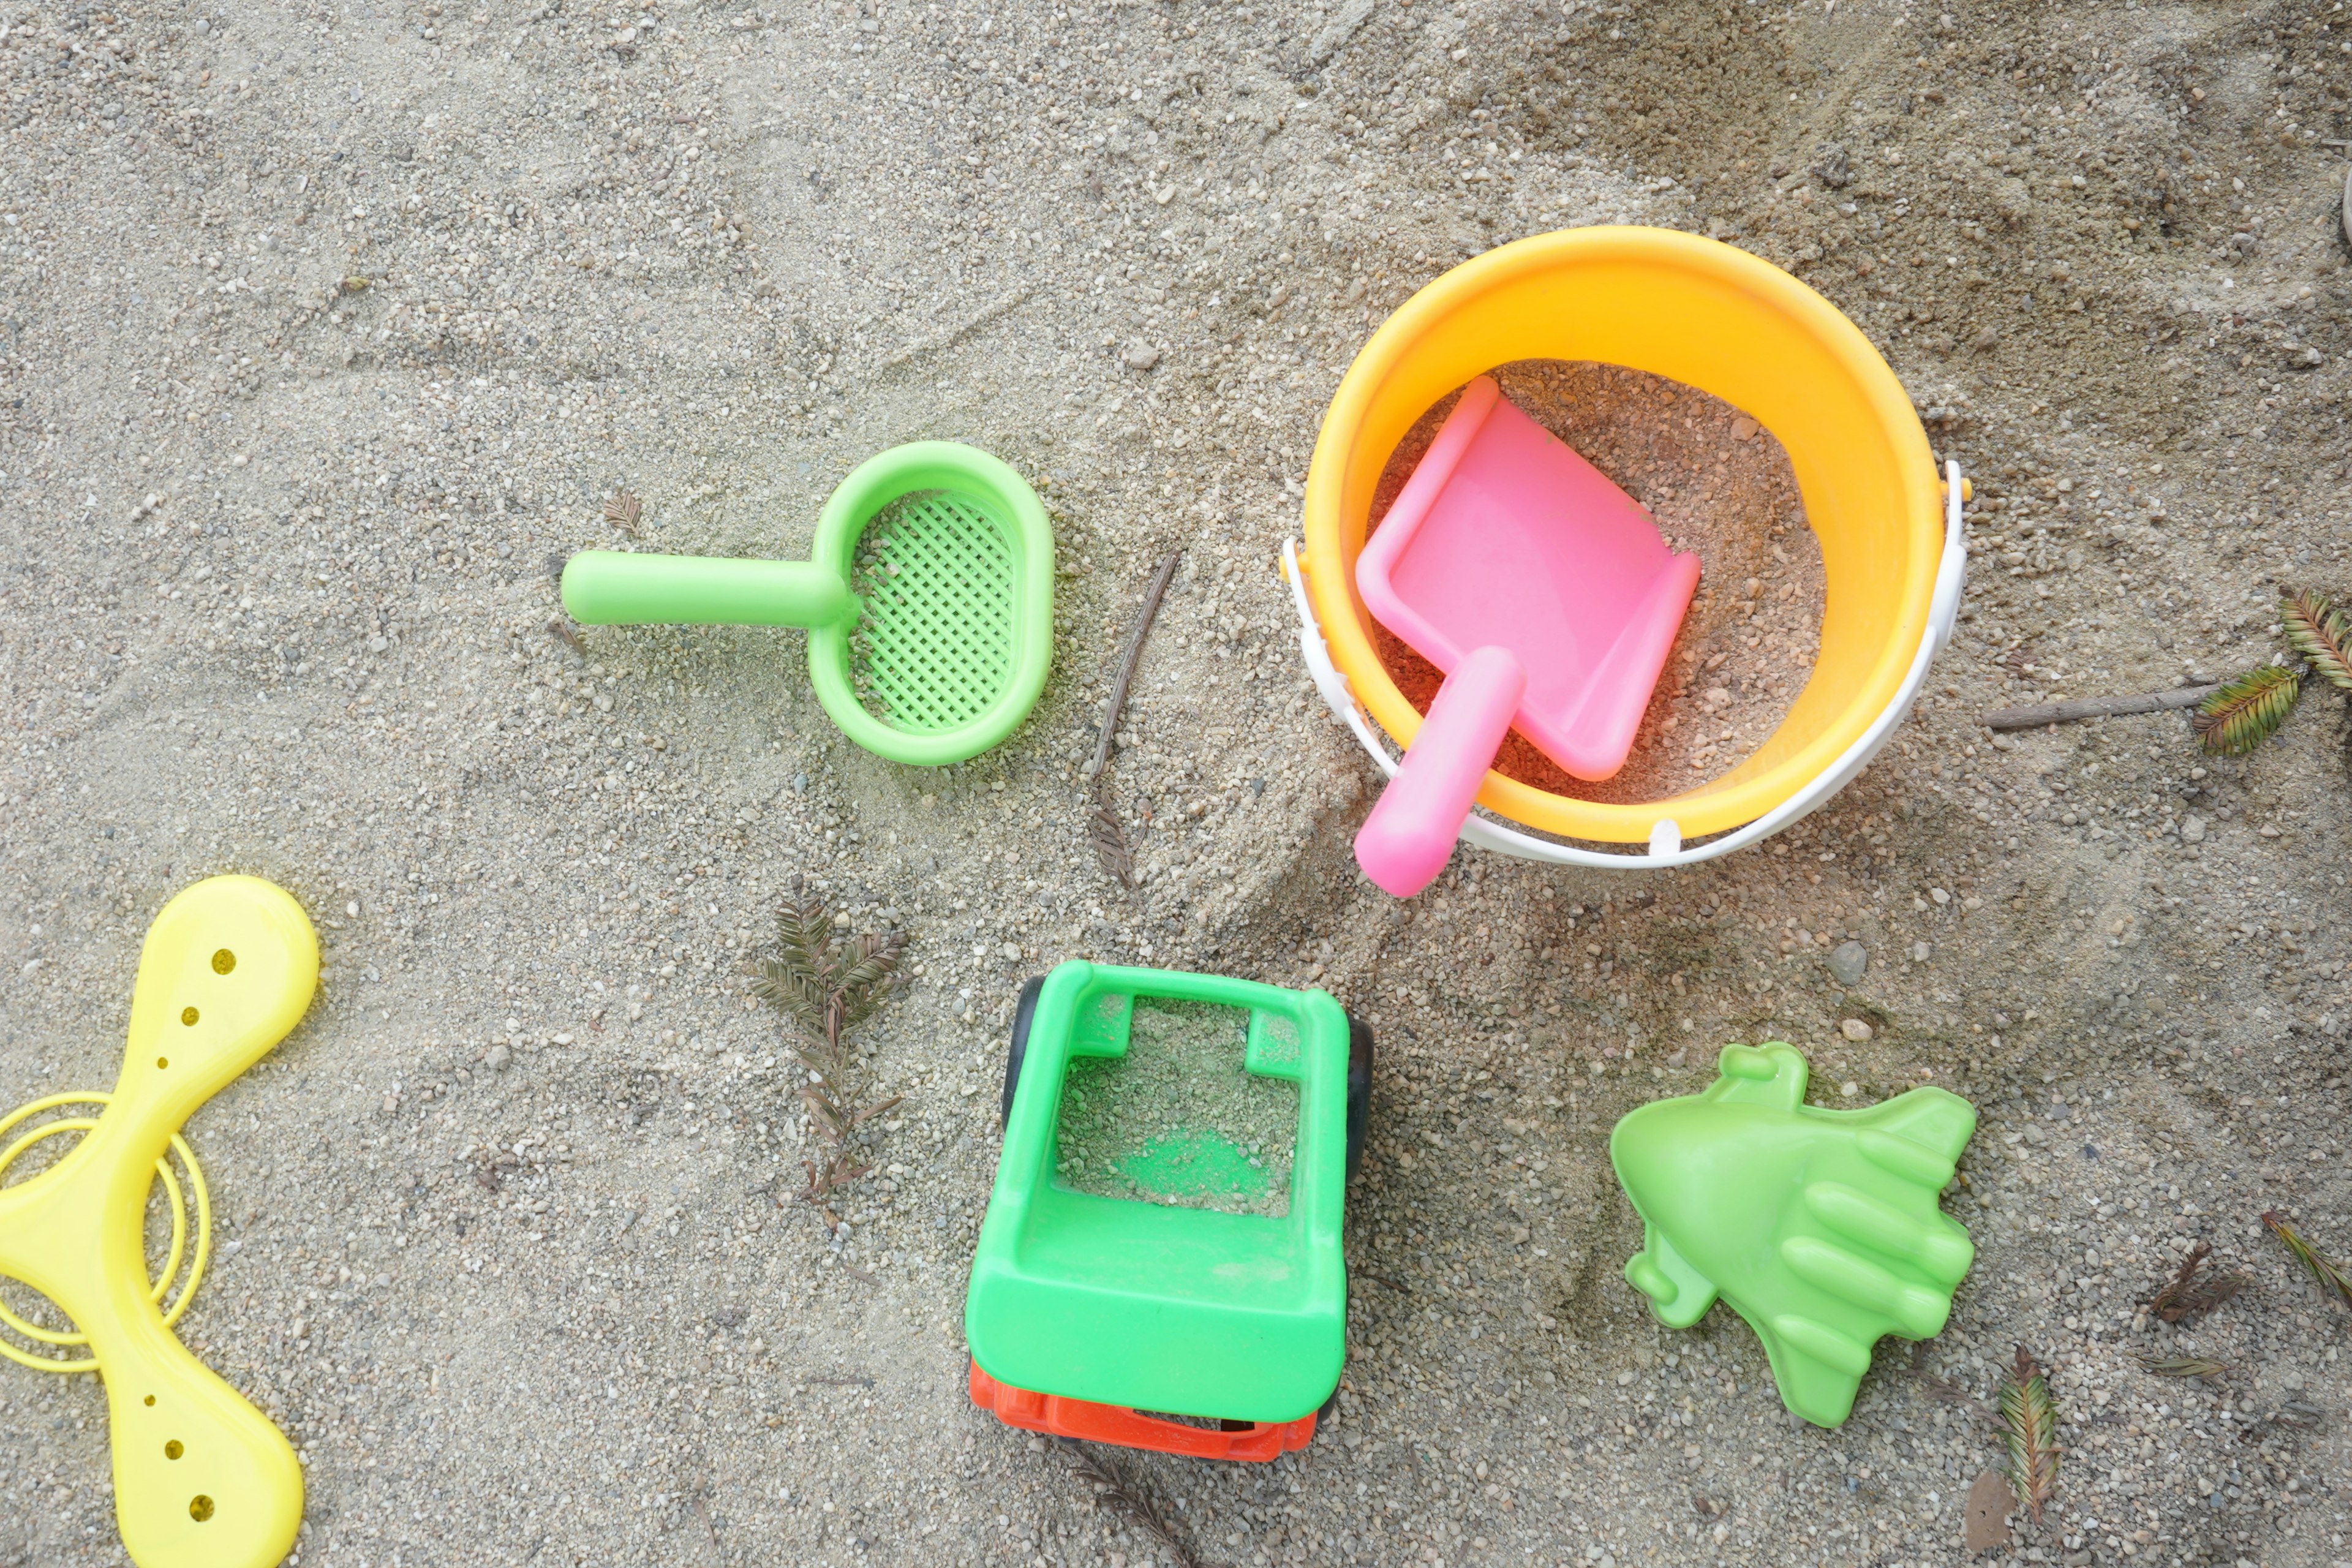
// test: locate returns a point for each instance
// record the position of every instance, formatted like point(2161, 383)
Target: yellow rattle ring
point(179, 1228)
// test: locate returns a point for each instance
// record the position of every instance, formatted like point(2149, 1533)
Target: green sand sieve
point(928, 601)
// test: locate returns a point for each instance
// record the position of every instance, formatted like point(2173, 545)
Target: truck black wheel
point(1360, 1089)
point(1022, 1011)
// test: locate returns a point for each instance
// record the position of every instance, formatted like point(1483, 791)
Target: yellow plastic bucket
point(1718, 318)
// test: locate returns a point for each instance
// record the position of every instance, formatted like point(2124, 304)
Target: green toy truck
point(1161, 1263)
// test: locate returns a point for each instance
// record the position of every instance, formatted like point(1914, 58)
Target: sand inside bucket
point(1178, 1119)
point(1716, 484)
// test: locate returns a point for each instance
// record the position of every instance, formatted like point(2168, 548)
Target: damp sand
point(1716, 484)
point(1178, 1119)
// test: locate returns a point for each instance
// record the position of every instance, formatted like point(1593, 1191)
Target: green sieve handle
point(611, 588)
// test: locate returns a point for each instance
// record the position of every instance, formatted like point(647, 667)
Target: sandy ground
point(327, 332)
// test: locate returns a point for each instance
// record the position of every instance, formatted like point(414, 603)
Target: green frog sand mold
point(1820, 1227)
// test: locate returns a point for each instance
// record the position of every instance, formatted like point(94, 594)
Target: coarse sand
point(328, 333)
point(1178, 1119)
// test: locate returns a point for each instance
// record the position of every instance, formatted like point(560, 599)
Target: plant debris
point(1128, 659)
point(2247, 711)
point(2330, 1275)
point(624, 510)
point(2235, 716)
point(2188, 1296)
point(2181, 1365)
point(1118, 1489)
point(1110, 840)
point(2028, 1418)
point(2294, 1416)
point(1110, 837)
point(2040, 713)
point(1950, 1392)
point(2322, 634)
point(825, 986)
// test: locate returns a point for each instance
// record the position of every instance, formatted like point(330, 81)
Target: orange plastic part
point(1051, 1414)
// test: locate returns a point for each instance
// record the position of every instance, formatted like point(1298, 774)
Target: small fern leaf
point(2247, 711)
point(2322, 634)
point(2029, 1418)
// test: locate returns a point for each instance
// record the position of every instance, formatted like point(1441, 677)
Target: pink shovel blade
point(1505, 537)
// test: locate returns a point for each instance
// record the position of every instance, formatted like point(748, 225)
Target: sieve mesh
point(934, 643)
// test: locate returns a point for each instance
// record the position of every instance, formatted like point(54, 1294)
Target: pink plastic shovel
point(1545, 594)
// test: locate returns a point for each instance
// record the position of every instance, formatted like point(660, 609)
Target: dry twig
point(2187, 1295)
point(1115, 1486)
point(564, 632)
point(2033, 718)
point(1110, 837)
point(2029, 1418)
point(1129, 660)
point(826, 985)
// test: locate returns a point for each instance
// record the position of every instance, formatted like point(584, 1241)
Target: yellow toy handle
point(202, 1480)
point(179, 1212)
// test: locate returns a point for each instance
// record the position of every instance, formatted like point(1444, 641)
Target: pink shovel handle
point(1408, 837)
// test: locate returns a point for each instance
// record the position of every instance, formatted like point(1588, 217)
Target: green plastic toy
point(1156, 1306)
point(1820, 1227)
point(929, 604)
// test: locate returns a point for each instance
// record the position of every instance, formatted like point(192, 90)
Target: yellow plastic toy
point(1720, 319)
point(202, 1480)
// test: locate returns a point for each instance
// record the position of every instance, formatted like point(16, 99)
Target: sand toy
point(1820, 1227)
point(1168, 1293)
point(202, 1480)
point(929, 604)
point(1715, 318)
point(1545, 595)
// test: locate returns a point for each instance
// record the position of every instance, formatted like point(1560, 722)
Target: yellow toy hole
point(173, 1450)
point(224, 961)
point(163, 1062)
point(150, 1399)
point(200, 1507)
point(187, 1014)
